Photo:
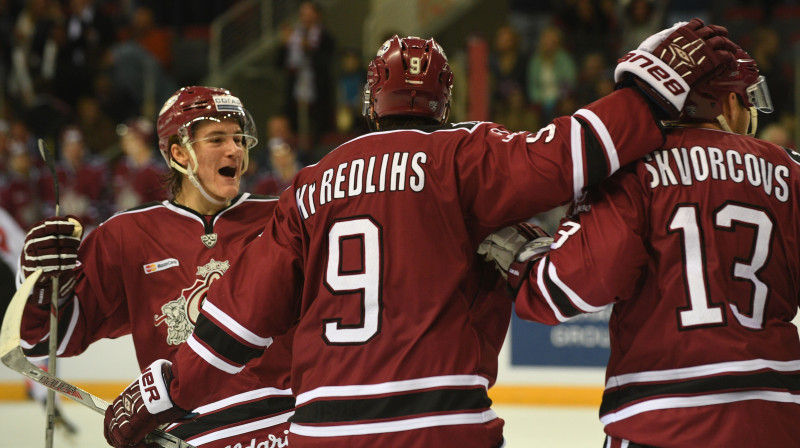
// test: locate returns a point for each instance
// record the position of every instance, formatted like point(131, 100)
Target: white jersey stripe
point(234, 326)
point(211, 358)
point(73, 321)
point(392, 387)
point(702, 400)
point(573, 297)
point(243, 398)
point(576, 146)
point(703, 370)
point(545, 292)
point(605, 137)
point(393, 426)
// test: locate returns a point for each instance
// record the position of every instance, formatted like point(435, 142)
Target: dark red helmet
point(409, 76)
point(192, 104)
point(704, 102)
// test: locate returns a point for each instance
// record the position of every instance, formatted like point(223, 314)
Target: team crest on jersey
point(180, 315)
point(209, 239)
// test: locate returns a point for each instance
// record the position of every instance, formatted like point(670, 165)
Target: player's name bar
point(521, 394)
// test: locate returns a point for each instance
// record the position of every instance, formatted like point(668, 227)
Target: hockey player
point(145, 271)
point(697, 248)
point(372, 251)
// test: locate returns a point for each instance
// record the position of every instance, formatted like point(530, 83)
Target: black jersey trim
point(596, 160)
point(392, 407)
point(254, 410)
point(42, 348)
point(262, 197)
point(794, 155)
point(773, 381)
point(560, 299)
point(222, 343)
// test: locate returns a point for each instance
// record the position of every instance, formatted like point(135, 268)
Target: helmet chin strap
point(190, 173)
point(751, 131)
point(753, 122)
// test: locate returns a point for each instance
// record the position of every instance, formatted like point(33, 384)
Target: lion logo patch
point(180, 315)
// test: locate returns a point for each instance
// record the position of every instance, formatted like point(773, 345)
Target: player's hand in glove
point(514, 249)
point(667, 64)
point(52, 245)
point(142, 407)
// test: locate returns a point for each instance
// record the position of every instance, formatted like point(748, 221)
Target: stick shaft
point(53, 342)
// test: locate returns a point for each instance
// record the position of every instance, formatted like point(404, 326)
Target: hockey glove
point(52, 245)
point(514, 249)
point(667, 64)
point(142, 407)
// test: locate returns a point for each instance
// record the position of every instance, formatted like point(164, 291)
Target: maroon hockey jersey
point(145, 272)
point(373, 250)
point(698, 249)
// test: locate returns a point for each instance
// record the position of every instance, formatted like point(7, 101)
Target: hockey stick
point(12, 356)
point(50, 404)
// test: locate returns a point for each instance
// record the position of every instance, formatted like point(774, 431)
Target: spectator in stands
point(139, 177)
point(516, 113)
point(283, 167)
point(88, 32)
point(507, 66)
point(97, 126)
point(595, 79)
point(777, 133)
point(154, 39)
point(350, 89)
point(32, 34)
point(307, 55)
point(639, 19)
point(551, 73)
point(82, 180)
point(19, 193)
point(766, 49)
point(134, 73)
point(588, 26)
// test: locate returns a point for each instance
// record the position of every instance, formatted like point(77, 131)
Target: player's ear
point(179, 154)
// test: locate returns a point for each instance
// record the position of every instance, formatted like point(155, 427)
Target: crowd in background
point(71, 72)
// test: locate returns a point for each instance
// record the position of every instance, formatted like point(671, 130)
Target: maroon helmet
point(409, 76)
point(741, 76)
point(192, 104)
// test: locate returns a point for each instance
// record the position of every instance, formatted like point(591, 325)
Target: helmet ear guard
point(366, 108)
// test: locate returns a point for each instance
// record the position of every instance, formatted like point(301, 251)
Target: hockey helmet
point(741, 76)
point(189, 105)
point(409, 76)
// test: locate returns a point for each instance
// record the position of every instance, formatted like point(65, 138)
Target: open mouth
point(228, 171)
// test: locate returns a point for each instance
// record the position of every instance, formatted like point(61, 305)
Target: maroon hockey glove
point(667, 64)
point(52, 245)
point(514, 249)
point(142, 407)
